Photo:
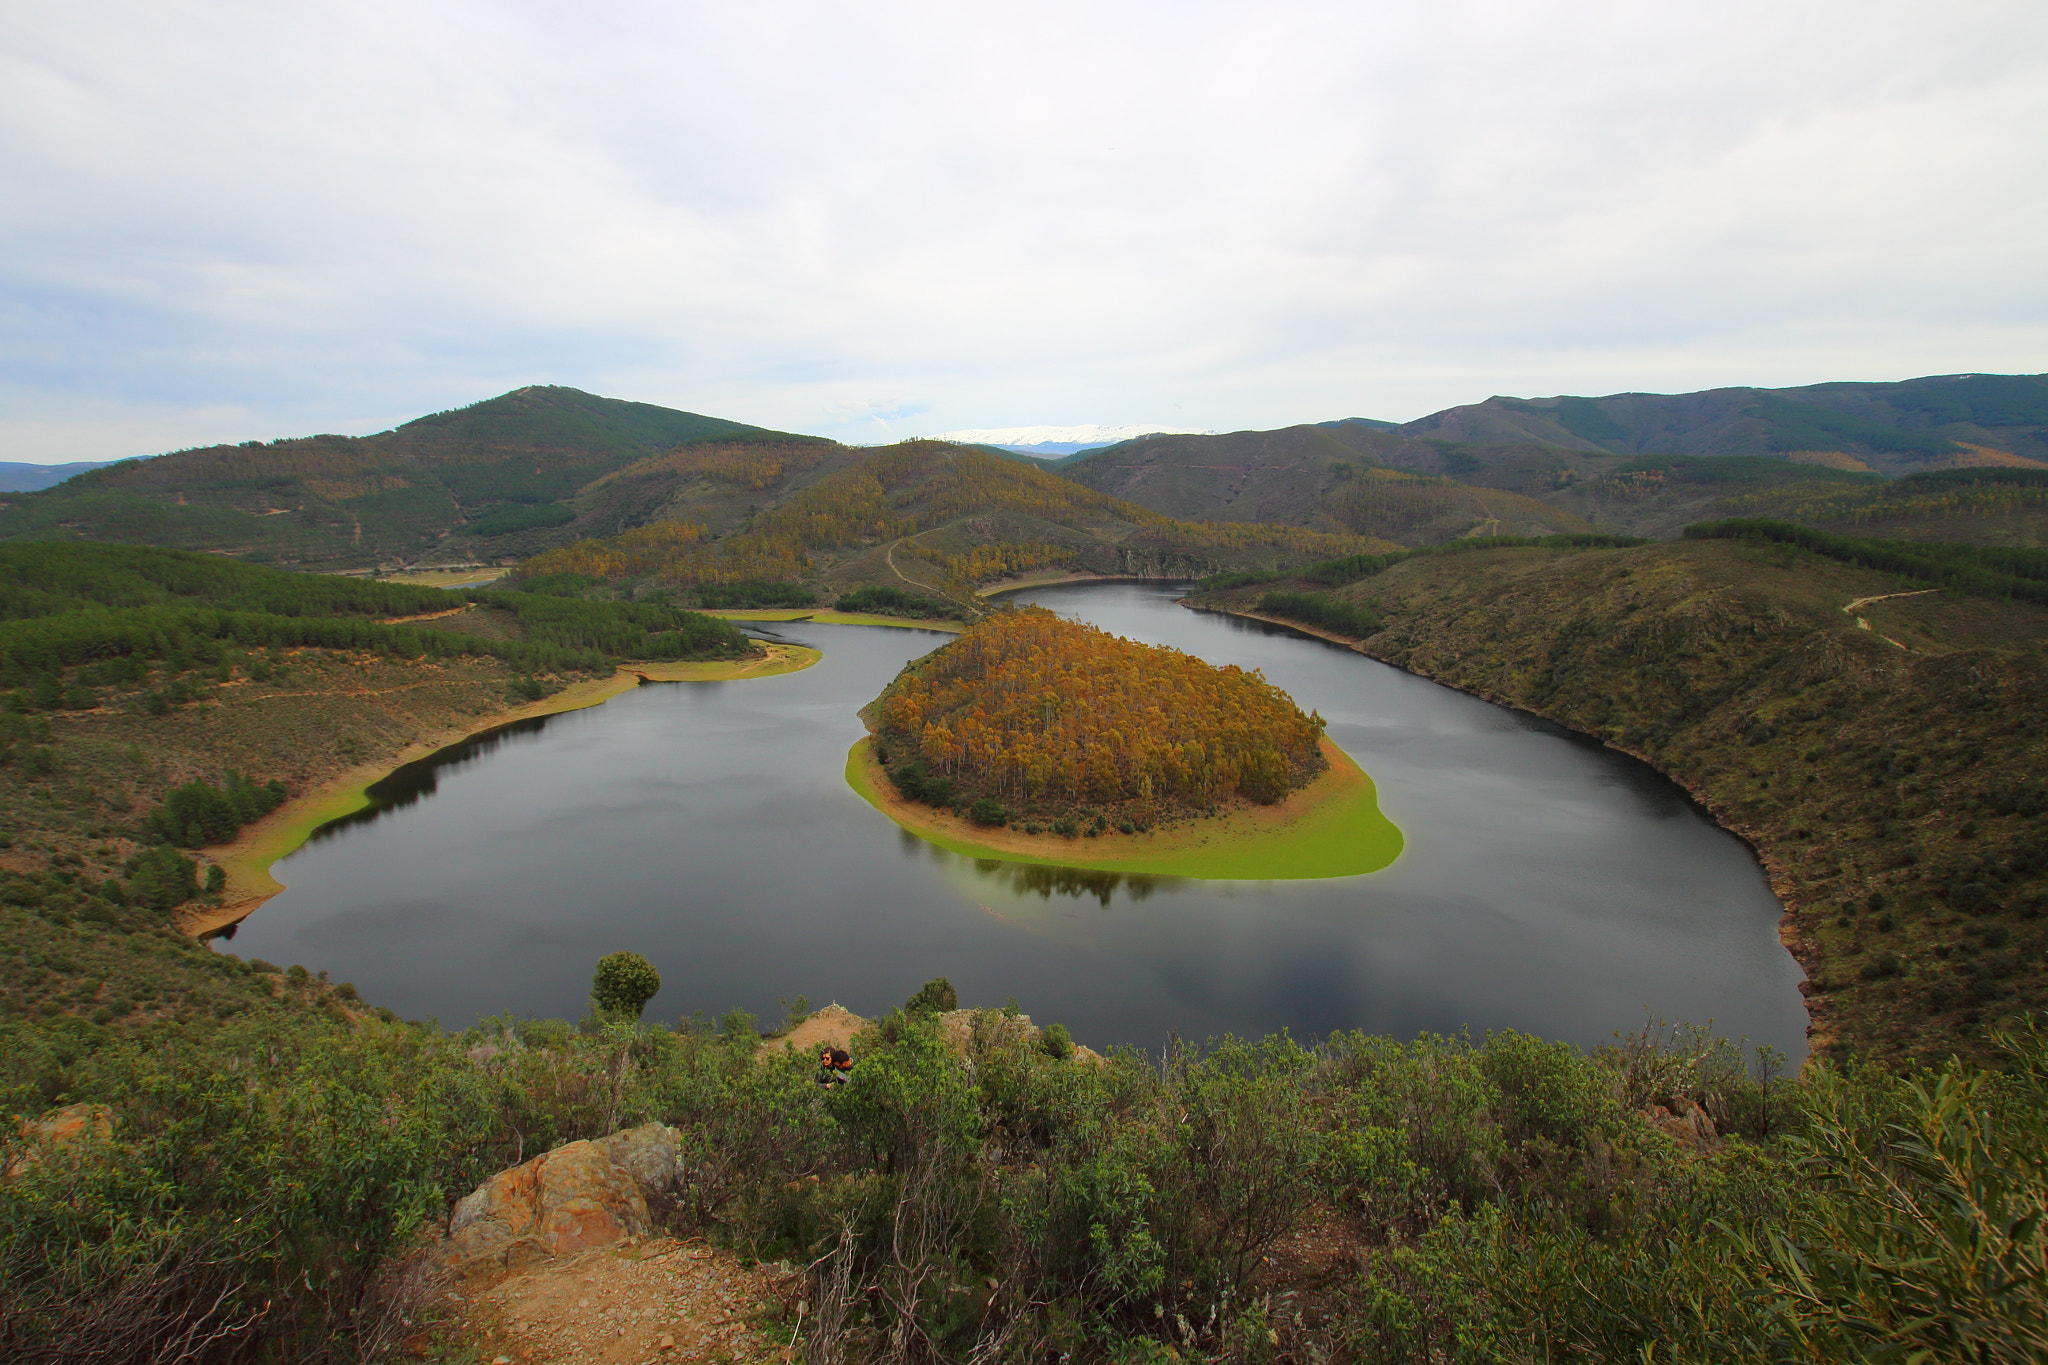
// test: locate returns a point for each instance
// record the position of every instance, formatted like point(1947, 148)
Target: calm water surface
point(1548, 884)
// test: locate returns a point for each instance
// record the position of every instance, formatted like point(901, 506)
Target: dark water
point(1548, 884)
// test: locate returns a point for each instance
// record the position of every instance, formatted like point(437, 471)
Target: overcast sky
point(873, 218)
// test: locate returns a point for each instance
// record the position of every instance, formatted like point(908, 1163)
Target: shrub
point(162, 878)
point(881, 600)
point(936, 996)
point(200, 813)
point(624, 983)
point(988, 811)
point(1057, 1042)
point(919, 785)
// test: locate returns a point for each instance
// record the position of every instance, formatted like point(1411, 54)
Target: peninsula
point(1037, 739)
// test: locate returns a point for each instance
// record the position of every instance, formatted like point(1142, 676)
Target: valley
point(1720, 707)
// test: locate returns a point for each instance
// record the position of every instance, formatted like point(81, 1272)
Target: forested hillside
point(151, 692)
point(1038, 716)
point(922, 515)
point(1868, 715)
point(486, 482)
point(1348, 478)
point(1893, 427)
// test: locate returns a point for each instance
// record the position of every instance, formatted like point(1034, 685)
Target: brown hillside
point(927, 515)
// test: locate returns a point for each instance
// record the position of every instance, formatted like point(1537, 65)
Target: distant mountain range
point(543, 467)
point(29, 478)
point(1890, 427)
point(1054, 442)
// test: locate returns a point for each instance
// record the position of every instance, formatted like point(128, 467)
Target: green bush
point(1317, 609)
point(936, 996)
point(623, 985)
point(1058, 1043)
point(200, 813)
point(881, 600)
point(162, 878)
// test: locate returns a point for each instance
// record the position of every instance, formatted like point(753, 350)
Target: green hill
point(923, 515)
point(1883, 753)
point(1560, 478)
point(1352, 477)
point(1894, 427)
point(481, 483)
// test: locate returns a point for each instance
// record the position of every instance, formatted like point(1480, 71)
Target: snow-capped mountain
point(1053, 442)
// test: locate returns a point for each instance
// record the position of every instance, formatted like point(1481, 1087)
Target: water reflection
point(1548, 884)
point(411, 783)
point(1075, 882)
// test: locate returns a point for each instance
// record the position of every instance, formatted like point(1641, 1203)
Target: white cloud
point(333, 216)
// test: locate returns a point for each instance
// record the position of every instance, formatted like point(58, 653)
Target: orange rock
point(1685, 1123)
point(570, 1200)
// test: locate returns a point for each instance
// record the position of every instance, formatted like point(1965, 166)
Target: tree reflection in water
point(1074, 882)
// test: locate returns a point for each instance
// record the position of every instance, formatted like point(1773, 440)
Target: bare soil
point(639, 1302)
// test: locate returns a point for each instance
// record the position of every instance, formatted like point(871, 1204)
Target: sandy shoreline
point(247, 858)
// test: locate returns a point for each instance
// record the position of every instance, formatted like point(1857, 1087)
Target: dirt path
point(1861, 602)
point(656, 1299)
point(889, 558)
point(425, 616)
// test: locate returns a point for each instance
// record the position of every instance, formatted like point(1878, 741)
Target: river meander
point(1548, 884)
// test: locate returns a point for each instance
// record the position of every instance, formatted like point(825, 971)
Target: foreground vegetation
point(279, 1156)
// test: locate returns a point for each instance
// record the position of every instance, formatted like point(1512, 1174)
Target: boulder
point(647, 1153)
point(1685, 1123)
point(572, 1199)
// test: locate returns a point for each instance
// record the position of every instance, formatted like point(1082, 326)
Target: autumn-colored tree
point(1045, 714)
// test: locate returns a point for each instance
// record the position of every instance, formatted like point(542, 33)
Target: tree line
point(120, 611)
point(1980, 570)
point(1335, 573)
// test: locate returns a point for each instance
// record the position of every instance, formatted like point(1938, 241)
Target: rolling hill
point(924, 516)
point(478, 483)
point(1891, 427)
point(1638, 464)
point(1878, 740)
point(1350, 477)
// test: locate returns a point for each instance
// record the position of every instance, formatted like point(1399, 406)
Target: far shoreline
point(249, 856)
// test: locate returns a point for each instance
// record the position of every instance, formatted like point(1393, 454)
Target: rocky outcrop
point(1685, 1123)
point(647, 1153)
point(577, 1197)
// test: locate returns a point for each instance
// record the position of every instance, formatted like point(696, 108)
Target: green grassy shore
point(1331, 828)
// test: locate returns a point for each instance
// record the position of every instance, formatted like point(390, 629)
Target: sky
point(872, 219)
